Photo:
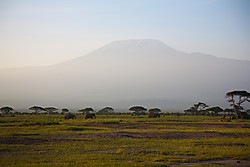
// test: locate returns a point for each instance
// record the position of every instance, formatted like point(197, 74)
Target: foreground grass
point(49, 140)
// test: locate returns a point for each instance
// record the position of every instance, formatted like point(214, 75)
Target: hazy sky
point(34, 32)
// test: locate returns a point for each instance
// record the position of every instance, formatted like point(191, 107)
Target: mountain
point(124, 73)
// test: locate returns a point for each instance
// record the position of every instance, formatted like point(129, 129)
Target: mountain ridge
point(120, 76)
point(197, 54)
point(129, 48)
point(148, 42)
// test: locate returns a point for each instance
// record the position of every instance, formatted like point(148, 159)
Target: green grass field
point(123, 140)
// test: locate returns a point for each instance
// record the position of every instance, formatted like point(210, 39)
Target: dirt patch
point(150, 125)
point(233, 162)
point(208, 125)
point(20, 140)
point(169, 135)
point(104, 151)
point(242, 163)
point(185, 156)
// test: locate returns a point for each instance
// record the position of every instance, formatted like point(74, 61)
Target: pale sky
point(46, 32)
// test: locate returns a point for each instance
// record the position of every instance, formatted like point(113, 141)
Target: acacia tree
point(50, 110)
point(197, 108)
point(191, 111)
point(200, 106)
point(106, 110)
point(154, 112)
point(236, 98)
point(37, 109)
point(215, 110)
point(138, 110)
point(86, 110)
point(65, 110)
point(6, 110)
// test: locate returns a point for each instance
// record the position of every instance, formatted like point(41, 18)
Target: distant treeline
point(235, 98)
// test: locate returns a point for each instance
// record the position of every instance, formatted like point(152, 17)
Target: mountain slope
point(144, 71)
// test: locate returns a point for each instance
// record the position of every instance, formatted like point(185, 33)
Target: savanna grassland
point(123, 140)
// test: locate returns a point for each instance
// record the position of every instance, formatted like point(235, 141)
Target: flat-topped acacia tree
point(65, 110)
point(6, 110)
point(106, 110)
point(86, 110)
point(200, 106)
point(155, 110)
point(215, 110)
point(197, 108)
point(37, 109)
point(236, 98)
point(50, 110)
point(138, 110)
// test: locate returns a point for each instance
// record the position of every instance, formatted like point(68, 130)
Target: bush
point(244, 115)
point(154, 115)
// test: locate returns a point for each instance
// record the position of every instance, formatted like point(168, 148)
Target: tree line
point(235, 98)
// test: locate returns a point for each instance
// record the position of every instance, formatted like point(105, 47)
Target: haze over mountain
point(124, 73)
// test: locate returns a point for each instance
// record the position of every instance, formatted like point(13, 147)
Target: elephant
point(70, 116)
point(90, 115)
